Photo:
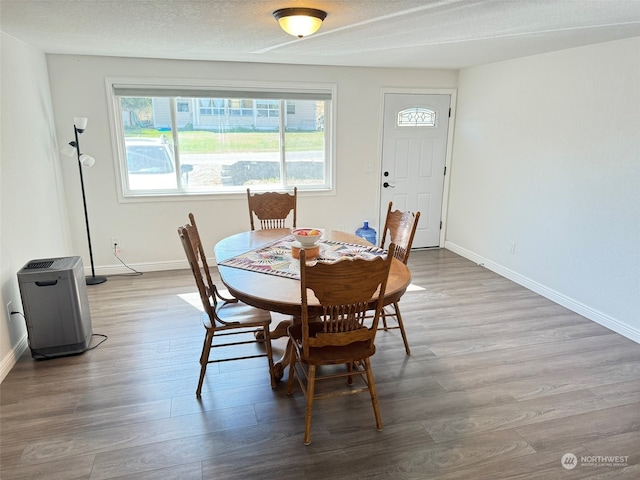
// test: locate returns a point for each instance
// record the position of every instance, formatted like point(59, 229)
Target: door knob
point(387, 185)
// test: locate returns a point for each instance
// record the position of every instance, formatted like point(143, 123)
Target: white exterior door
point(414, 148)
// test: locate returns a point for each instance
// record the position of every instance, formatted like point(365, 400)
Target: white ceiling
point(376, 33)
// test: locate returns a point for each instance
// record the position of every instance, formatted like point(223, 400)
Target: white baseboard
point(106, 270)
point(557, 297)
point(12, 357)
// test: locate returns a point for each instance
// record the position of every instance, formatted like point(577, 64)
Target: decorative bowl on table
point(307, 237)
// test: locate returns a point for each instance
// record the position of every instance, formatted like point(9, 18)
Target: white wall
point(147, 231)
point(547, 155)
point(33, 220)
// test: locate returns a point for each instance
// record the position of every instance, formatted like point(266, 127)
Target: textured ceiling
point(377, 33)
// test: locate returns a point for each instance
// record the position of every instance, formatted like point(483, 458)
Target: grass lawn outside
point(202, 141)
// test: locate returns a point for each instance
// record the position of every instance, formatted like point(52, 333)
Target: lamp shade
point(69, 149)
point(300, 22)
point(80, 123)
point(87, 160)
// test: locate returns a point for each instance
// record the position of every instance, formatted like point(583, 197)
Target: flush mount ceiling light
point(300, 22)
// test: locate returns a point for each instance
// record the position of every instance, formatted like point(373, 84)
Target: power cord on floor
point(116, 251)
point(104, 339)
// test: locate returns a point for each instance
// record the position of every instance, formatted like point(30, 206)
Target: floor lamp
point(79, 126)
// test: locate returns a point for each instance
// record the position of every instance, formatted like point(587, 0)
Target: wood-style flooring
point(501, 383)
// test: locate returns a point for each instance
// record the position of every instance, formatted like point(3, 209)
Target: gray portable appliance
point(56, 306)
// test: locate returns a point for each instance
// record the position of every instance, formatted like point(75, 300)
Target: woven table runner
point(275, 258)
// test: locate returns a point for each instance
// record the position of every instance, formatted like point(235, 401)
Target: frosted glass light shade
point(300, 22)
point(68, 150)
point(87, 160)
point(80, 123)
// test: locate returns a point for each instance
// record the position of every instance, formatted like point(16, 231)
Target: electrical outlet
point(116, 248)
point(9, 309)
point(512, 247)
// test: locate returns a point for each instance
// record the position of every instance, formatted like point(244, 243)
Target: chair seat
point(329, 355)
point(238, 313)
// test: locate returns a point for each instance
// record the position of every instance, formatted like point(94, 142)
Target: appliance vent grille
point(41, 264)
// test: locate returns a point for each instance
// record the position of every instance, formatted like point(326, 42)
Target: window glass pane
point(416, 117)
point(150, 163)
point(206, 106)
point(305, 143)
point(231, 147)
point(208, 145)
point(268, 108)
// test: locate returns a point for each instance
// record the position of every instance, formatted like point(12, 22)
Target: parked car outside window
point(151, 166)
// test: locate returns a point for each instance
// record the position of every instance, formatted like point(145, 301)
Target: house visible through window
point(221, 141)
point(268, 108)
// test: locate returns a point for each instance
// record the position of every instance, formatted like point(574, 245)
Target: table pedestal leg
point(279, 332)
point(280, 365)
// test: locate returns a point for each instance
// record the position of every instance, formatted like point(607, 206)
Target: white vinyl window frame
point(117, 87)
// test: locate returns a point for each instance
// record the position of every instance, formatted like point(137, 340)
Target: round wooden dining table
point(282, 294)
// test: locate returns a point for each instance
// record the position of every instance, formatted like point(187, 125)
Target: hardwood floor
point(501, 384)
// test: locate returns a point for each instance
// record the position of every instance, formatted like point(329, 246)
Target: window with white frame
point(182, 141)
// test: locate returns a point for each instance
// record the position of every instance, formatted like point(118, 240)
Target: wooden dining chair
point(272, 208)
point(399, 229)
point(339, 331)
point(223, 317)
